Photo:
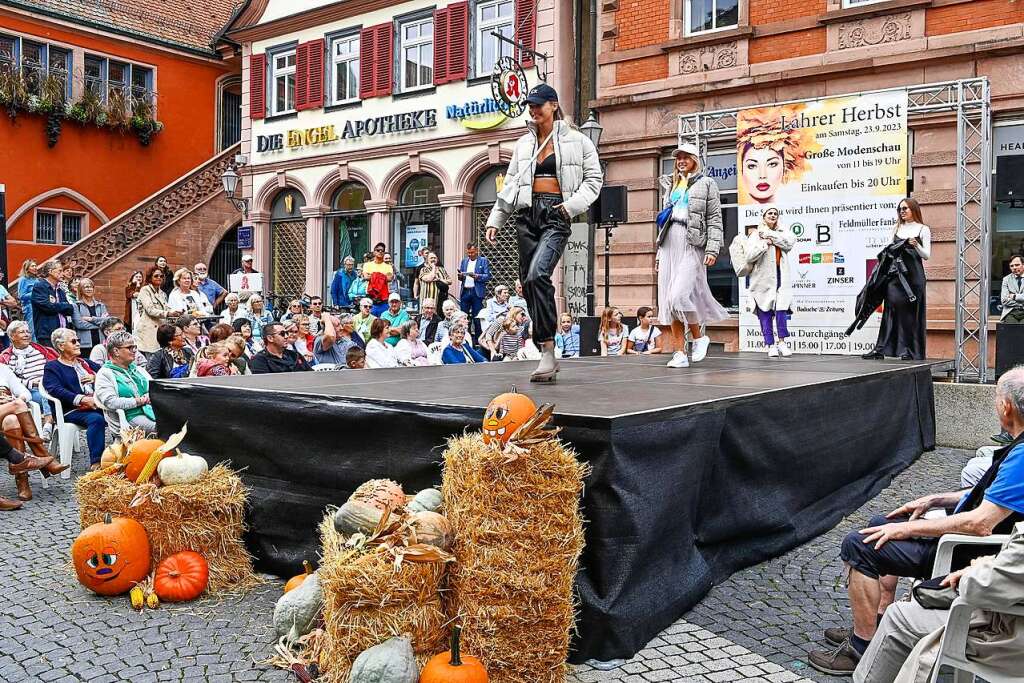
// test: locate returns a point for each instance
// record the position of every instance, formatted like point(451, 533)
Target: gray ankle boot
point(547, 369)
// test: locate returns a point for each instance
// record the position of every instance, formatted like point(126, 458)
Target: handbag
point(663, 217)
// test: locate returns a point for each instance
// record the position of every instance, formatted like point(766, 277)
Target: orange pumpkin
point(296, 581)
point(138, 456)
point(505, 414)
point(380, 493)
point(180, 577)
point(453, 666)
point(111, 556)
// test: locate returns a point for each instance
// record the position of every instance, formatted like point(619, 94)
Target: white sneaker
point(678, 360)
point(700, 348)
point(785, 350)
point(47, 434)
point(773, 351)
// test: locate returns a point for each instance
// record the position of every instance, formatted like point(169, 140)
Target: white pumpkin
point(181, 469)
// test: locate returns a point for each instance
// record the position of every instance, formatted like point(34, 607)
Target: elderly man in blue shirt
point(208, 286)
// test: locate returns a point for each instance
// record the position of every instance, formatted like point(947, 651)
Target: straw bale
point(366, 601)
point(518, 537)
point(207, 516)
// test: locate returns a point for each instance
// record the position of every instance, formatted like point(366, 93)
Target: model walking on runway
point(688, 244)
point(554, 176)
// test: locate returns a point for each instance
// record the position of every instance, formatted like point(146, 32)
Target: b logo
point(824, 233)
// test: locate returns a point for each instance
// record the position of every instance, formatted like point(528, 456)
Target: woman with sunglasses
point(378, 291)
point(153, 311)
point(122, 385)
point(902, 333)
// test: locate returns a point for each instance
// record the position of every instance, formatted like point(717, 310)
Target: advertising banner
point(415, 245)
point(836, 170)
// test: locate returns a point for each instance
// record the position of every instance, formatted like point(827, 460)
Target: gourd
point(296, 581)
point(355, 517)
point(432, 528)
point(181, 469)
point(392, 661)
point(296, 611)
point(427, 500)
point(181, 577)
point(453, 666)
point(113, 454)
point(111, 556)
point(380, 493)
point(138, 456)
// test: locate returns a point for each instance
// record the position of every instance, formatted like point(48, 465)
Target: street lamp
point(230, 180)
point(592, 129)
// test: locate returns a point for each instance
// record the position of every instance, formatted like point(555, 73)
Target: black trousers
point(543, 232)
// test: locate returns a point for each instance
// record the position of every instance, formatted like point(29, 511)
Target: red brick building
point(659, 59)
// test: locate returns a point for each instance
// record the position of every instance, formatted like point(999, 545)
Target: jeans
point(471, 305)
point(543, 232)
point(95, 430)
point(37, 398)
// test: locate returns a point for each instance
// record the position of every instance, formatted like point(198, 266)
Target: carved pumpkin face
point(111, 556)
point(505, 414)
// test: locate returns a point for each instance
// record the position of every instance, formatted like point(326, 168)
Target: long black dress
point(903, 321)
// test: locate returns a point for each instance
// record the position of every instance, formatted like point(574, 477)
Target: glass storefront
point(417, 225)
point(1008, 213)
point(504, 254)
point(347, 229)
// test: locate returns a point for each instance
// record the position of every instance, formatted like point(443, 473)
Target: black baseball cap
point(542, 93)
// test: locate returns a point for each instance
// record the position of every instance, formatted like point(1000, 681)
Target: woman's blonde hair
point(180, 272)
point(608, 320)
point(510, 319)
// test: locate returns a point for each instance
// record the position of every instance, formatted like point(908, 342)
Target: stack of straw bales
point(518, 536)
point(207, 516)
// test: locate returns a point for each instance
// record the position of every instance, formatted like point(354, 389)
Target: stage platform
point(697, 472)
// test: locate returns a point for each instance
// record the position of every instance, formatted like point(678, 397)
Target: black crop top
point(545, 168)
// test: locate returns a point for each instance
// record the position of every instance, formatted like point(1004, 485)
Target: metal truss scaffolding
point(971, 101)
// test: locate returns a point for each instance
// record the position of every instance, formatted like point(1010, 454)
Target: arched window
point(287, 244)
point(348, 235)
point(417, 226)
point(421, 189)
point(503, 256)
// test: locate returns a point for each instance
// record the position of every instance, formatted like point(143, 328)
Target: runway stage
point(697, 472)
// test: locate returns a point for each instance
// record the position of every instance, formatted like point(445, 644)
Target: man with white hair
point(496, 307)
point(429, 321)
point(904, 542)
point(208, 286)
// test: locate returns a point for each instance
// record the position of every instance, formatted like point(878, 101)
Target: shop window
point(423, 189)
point(37, 62)
point(348, 230)
point(417, 225)
point(46, 227)
point(416, 60)
point(711, 15)
point(504, 254)
point(113, 80)
point(493, 16)
point(282, 79)
point(345, 69)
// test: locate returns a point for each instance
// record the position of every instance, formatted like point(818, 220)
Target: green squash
point(427, 500)
point(355, 517)
point(392, 661)
point(296, 612)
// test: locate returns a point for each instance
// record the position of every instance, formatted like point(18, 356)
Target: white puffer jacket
point(577, 168)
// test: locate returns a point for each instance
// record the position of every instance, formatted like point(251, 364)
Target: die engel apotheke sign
point(352, 130)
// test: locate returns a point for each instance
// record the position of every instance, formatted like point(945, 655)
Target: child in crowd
point(567, 339)
point(217, 361)
point(645, 337)
point(355, 358)
point(613, 333)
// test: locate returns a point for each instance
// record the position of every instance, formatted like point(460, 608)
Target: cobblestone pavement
point(756, 626)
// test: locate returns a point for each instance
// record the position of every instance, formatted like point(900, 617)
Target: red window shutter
point(526, 28)
point(367, 48)
point(383, 59)
point(257, 86)
point(441, 45)
point(301, 82)
point(458, 41)
point(314, 74)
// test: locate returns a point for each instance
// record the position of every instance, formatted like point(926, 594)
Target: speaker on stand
point(607, 212)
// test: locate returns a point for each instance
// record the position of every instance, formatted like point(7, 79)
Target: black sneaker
point(839, 662)
point(838, 636)
point(1002, 438)
point(906, 356)
point(872, 355)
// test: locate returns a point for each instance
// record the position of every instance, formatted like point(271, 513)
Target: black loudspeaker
point(1010, 178)
point(589, 328)
point(611, 205)
point(1009, 347)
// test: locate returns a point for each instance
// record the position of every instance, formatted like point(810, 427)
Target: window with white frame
point(711, 15)
point(37, 62)
point(108, 78)
point(282, 79)
point(493, 16)
point(417, 53)
point(345, 69)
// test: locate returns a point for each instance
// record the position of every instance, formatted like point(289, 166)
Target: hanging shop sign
point(509, 87)
point(480, 115)
point(422, 119)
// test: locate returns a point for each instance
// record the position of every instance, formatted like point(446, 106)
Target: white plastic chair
point(122, 419)
point(66, 433)
point(949, 542)
point(325, 367)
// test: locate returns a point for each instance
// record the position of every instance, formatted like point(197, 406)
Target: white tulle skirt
point(683, 292)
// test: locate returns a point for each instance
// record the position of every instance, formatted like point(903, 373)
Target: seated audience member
point(357, 290)
point(355, 358)
point(217, 361)
point(645, 337)
point(461, 318)
point(410, 349)
point(17, 423)
point(220, 332)
point(379, 353)
point(449, 308)
point(294, 309)
point(567, 339)
point(233, 309)
point(395, 317)
point(364, 318)
point(496, 307)
point(329, 346)
point(193, 331)
point(906, 644)
point(517, 298)
point(512, 336)
point(258, 316)
point(428, 320)
point(71, 380)
point(316, 312)
point(458, 350)
point(122, 385)
point(174, 359)
point(243, 327)
point(27, 360)
point(301, 338)
point(236, 347)
point(490, 338)
point(98, 354)
point(275, 356)
point(903, 543)
point(20, 464)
